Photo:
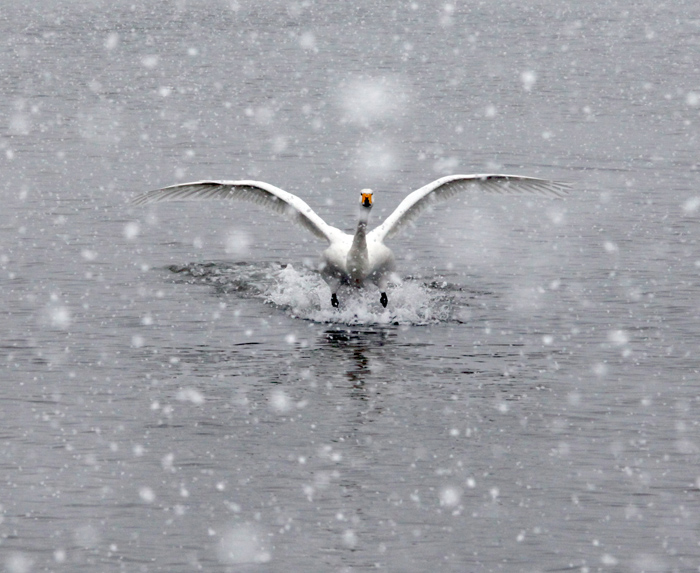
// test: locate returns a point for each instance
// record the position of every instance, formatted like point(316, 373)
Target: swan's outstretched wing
point(259, 192)
point(445, 187)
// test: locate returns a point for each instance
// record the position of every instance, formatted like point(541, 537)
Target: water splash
point(302, 293)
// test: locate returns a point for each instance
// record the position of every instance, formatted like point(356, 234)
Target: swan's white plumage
point(445, 187)
point(271, 197)
point(362, 257)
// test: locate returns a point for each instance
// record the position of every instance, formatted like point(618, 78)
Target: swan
point(361, 258)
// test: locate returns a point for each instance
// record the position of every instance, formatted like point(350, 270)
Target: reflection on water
point(339, 337)
point(357, 347)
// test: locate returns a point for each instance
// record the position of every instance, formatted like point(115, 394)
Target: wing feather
point(264, 194)
point(444, 188)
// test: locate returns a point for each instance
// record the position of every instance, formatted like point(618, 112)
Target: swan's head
point(366, 198)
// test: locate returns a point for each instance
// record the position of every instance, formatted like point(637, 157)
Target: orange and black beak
point(366, 199)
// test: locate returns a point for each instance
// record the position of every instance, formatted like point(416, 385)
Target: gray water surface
point(179, 395)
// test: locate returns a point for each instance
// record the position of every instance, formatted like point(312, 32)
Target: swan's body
point(363, 257)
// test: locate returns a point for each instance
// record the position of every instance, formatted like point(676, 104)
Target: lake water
point(177, 392)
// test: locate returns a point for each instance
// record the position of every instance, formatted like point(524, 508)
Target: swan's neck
point(358, 258)
point(359, 242)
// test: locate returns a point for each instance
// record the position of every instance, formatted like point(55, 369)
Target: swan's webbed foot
point(384, 299)
point(334, 300)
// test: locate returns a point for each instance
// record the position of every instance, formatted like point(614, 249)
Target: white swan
point(363, 257)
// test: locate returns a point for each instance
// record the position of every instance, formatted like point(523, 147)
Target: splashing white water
point(305, 295)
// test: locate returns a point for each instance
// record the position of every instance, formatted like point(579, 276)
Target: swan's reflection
point(357, 347)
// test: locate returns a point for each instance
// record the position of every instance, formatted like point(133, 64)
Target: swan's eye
point(366, 199)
